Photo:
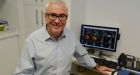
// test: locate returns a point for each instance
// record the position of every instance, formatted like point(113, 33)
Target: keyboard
point(107, 63)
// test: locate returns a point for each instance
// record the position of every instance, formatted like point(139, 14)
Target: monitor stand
point(102, 54)
point(99, 53)
point(94, 52)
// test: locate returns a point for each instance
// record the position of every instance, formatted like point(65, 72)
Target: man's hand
point(104, 70)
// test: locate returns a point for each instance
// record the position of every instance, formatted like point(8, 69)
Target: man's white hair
point(55, 1)
point(49, 1)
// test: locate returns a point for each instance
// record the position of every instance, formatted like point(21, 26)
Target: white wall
point(77, 15)
point(8, 11)
point(117, 13)
point(68, 2)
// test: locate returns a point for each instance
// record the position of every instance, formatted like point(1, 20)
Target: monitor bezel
point(101, 28)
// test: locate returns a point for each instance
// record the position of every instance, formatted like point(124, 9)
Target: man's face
point(55, 17)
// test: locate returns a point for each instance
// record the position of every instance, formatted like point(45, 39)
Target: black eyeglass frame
point(53, 16)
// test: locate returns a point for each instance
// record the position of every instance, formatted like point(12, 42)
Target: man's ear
point(44, 14)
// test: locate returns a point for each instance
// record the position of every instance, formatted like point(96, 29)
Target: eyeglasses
point(54, 16)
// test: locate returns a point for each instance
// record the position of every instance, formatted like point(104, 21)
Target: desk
point(85, 71)
point(80, 70)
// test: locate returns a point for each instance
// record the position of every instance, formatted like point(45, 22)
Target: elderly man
point(49, 50)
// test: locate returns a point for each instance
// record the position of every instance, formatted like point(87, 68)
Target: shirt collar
point(46, 35)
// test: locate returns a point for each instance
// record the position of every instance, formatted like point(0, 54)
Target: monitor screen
point(99, 37)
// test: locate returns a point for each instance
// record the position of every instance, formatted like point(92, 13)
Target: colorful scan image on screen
point(99, 37)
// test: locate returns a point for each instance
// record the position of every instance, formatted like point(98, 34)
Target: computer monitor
point(99, 37)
